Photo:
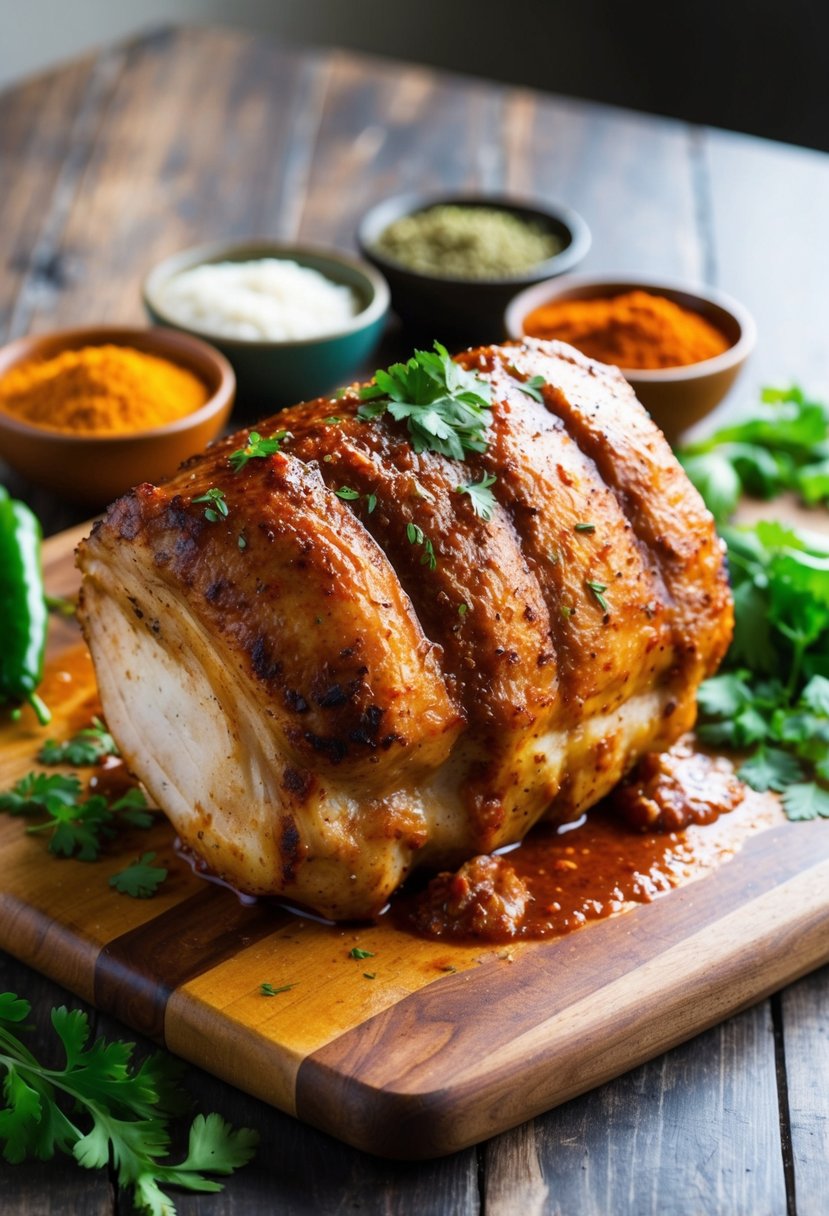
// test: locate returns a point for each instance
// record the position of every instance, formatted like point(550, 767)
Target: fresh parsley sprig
point(101, 1107)
point(77, 826)
point(780, 581)
point(782, 444)
point(86, 746)
point(445, 407)
point(257, 448)
point(141, 879)
point(481, 496)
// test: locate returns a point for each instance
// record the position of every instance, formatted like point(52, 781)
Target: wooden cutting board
point(446, 1045)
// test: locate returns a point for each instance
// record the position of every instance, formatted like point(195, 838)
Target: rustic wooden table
point(119, 159)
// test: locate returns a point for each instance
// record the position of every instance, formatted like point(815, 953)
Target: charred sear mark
point(327, 745)
point(332, 697)
point(214, 590)
point(290, 846)
point(295, 702)
point(265, 666)
point(138, 611)
point(297, 781)
point(368, 727)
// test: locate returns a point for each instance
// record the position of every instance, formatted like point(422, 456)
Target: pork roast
point(353, 673)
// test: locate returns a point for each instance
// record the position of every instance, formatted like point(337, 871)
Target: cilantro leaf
point(86, 746)
point(770, 768)
point(806, 800)
point(77, 827)
point(445, 407)
point(140, 879)
point(356, 952)
point(257, 448)
point(532, 387)
point(481, 496)
point(120, 1111)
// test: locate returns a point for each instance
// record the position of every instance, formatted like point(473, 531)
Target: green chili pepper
point(23, 612)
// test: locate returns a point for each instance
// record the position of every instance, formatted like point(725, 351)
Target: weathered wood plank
point(694, 1133)
point(768, 209)
point(806, 1054)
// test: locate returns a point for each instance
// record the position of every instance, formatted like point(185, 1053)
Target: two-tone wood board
point(425, 1047)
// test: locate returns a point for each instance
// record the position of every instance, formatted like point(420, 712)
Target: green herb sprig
point(77, 826)
point(257, 448)
point(416, 536)
point(445, 407)
point(141, 879)
point(102, 1107)
point(481, 496)
point(217, 508)
point(782, 444)
point(86, 746)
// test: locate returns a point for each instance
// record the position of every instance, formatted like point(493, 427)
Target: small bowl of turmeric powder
point(90, 412)
point(679, 347)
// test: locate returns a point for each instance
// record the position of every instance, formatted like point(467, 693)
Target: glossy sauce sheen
point(560, 878)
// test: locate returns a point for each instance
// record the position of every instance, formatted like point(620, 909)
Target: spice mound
point(267, 299)
point(638, 331)
point(100, 390)
point(468, 242)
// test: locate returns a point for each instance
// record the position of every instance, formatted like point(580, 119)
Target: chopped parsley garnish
point(77, 826)
point(463, 609)
point(598, 590)
point(772, 696)
point(140, 879)
point(371, 502)
point(585, 528)
point(218, 508)
point(370, 975)
point(332, 420)
point(257, 448)
point(781, 444)
point(269, 990)
point(356, 952)
point(346, 493)
point(86, 746)
point(107, 1111)
point(531, 387)
point(481, 496)
point(445, 407)
point(241, 542)
point(416, 536)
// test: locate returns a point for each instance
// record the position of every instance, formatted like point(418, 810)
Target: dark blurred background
point(759, 66)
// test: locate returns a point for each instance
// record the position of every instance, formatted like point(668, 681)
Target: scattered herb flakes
point(356, 952)
point(585, 528)
point(445, 407)
point(416, 536)
point(257, 448)
point(347, 494)
point(463, 609)
point(269, 990)
point(566, 611)
point(781, 444)
point(332, 419)
point(141, 879)
point(371, 503)
point(369, 975)
point(218, 508)
point(598, 590)
point(101, 1108)
point(60, 604)
point(481, 496)
point(241, 543)
point(780, 581)
point(86, 746)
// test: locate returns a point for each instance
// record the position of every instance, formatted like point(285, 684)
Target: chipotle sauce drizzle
point(678, 815)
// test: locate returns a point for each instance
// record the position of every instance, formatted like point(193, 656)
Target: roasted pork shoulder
point(352, 672)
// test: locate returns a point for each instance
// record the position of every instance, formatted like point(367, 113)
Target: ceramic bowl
point(97, 468)
point(452, 309)
point(676, 397)
point(272, 374)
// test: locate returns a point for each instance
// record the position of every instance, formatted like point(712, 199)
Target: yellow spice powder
point(101, 390)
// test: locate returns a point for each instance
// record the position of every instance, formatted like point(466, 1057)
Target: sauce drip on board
point(560, 878)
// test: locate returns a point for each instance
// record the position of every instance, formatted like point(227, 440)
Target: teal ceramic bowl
point(272, 374)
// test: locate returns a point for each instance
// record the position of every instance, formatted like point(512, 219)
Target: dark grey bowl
point(472, 310)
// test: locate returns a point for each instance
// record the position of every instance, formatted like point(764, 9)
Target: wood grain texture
point(806, 1048)
point(668, 1155)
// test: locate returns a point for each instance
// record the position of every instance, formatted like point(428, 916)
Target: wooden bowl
point(676, 397)
point(97, 468)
